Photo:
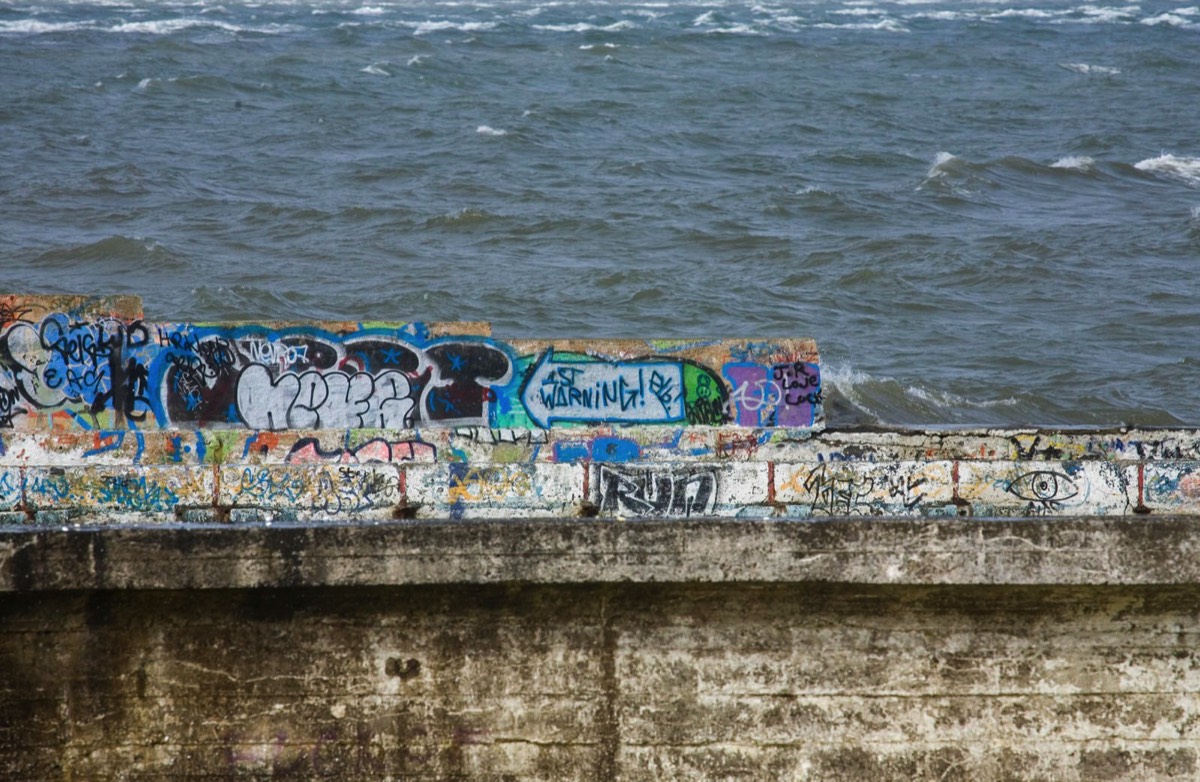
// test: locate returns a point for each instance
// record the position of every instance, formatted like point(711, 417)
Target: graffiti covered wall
point(105, 415)
point(93, 365)
point(576, 649)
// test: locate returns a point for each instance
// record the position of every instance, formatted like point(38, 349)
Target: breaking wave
point(1186, 169)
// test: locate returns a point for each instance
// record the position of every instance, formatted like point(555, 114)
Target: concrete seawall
point(860, 649)
point(418, 552)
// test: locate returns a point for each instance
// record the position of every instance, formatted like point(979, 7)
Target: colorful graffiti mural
point(104, 371)
point(105, 414)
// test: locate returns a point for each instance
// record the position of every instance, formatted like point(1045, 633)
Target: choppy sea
point(985, 211)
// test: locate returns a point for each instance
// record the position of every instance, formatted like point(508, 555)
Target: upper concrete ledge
point(1073, 551)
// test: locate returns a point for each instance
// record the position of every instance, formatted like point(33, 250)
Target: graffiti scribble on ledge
point(98, 364)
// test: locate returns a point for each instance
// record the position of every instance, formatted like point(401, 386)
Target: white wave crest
point(940, 165)
point(788, 23)
point(369, 10)
point(1092, 14)
point(431, 26)
point(1176, 18)
point(585, 27)
point(1083, 67)
point(734, 29)
point(168, 26)
point(1025, 13)
point(943, 398)
point(487, 130)
point(881, 396)
point(34, 27)
point(944, 16)
point(376, 69)
point(884, 25)
point(101, 4)
point(1076, 163)
point(1184, 168)
point(849, 382)
point(159, 27)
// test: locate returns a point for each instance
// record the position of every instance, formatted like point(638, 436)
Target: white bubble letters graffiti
point(313, 400)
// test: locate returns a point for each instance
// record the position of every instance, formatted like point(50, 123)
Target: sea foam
point(34, 27)
point(883, 25)
point(585, 27)
point(1083, 67)
point(1101, 14)
point(1076, 163)
point(1180, 17)
point(940, 164)
point(889, 400)
point(437, 26)
point(1185, 168)
point(169, 26)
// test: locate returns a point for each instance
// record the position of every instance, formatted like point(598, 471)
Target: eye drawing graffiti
point(1044, 486)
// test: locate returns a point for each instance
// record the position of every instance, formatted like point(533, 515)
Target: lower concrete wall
point(603, 682)
point(585, 649)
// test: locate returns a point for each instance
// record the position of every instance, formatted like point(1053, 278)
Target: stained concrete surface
point(603, 682)
point(587, 649)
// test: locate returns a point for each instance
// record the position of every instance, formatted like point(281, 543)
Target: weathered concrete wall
point(1093, 551)
point(634, 682)
point(414, 551)
point(1048, 649)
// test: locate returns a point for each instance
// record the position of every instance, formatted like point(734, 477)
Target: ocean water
point(987, 212)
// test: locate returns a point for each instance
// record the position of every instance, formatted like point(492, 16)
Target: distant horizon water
point(986, 212)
